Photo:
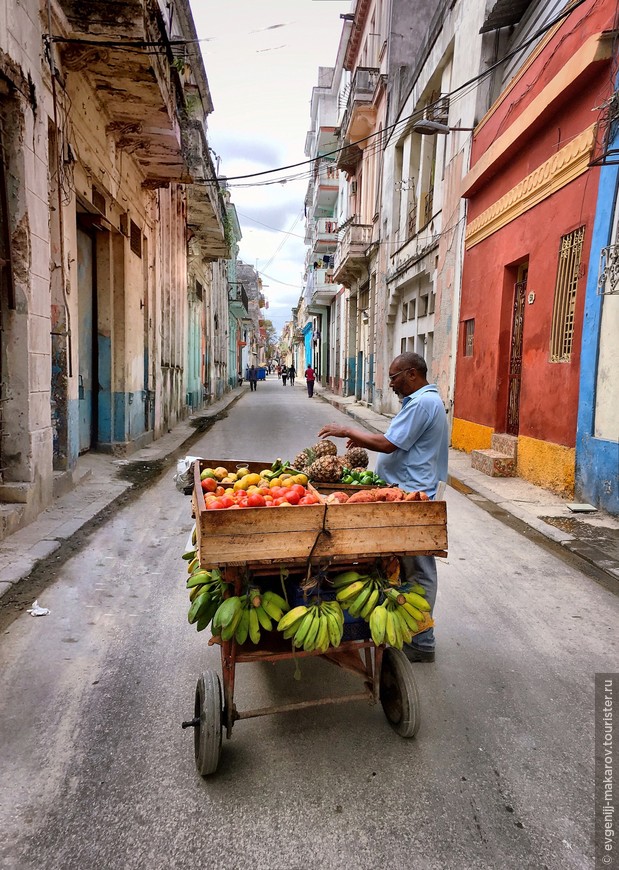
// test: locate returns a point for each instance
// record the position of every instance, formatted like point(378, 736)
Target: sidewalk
point(100, 484)
point(593, 537)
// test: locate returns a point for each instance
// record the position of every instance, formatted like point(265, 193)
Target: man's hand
point(331, 431)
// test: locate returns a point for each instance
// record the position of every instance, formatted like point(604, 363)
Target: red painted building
point(531, 194)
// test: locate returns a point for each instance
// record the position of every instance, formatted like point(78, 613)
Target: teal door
point(85, 289)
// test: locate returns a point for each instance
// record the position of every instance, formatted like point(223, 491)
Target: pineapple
point(357, 457)
point(325, 469)
point(302, 460)
point(324, 448)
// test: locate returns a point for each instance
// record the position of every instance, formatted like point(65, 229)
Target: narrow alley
point(102, 776)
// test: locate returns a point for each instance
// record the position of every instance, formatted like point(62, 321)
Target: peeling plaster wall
point(26, 353)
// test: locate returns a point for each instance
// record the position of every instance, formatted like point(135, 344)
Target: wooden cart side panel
point(234, 549)
point(376, 516)
point(350, 542)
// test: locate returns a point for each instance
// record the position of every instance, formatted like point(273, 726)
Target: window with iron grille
point(135, 238)
point(568, 272)
point(469, 335)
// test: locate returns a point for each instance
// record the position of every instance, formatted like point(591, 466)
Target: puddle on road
point(605, 538)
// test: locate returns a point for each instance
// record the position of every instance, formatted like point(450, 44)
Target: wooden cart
point(260, 546)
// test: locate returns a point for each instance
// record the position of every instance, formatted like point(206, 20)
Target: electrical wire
point(418, 113)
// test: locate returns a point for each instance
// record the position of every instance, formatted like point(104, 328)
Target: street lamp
point(429, 128)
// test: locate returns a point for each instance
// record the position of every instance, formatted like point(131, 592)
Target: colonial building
point(532, 196)
point(102, 121)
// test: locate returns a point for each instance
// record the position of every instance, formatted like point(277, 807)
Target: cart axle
point(193, 723)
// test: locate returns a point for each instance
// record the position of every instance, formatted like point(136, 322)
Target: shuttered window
point(568, 273)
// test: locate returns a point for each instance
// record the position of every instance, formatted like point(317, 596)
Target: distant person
point(310, 377)
point(240, 377)
point(291, 373)
point(279, 371)
point(253, 377)
point(284, 375)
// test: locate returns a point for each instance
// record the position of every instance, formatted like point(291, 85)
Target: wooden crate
point(336, 532)
point(253, 535)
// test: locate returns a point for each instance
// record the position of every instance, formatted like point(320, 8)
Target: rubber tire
point(207, 735)
point(398, 693)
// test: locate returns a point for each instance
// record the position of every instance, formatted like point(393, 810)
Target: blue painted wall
point(597, 460)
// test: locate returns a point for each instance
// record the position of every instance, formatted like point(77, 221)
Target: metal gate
point(515, 359)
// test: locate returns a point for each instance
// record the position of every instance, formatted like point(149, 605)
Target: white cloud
point(262, 62)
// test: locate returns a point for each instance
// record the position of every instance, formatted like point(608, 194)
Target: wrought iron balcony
point(351, 260)
point(238, 301)
point(360, 113)
point(324, 235)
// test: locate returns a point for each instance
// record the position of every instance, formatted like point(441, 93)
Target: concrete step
point(11, 518)
point(506, 444)
point(493, 463)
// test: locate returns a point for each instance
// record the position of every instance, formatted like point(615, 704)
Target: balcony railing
point(351, 253)
point(361, 92)
point(325, 234)
point(239, 302)
point(320, 287)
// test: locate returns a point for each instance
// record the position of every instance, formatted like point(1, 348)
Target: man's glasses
point(397, 374)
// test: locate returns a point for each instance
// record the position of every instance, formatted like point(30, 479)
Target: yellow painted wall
point(548, 465)
point(468, 436)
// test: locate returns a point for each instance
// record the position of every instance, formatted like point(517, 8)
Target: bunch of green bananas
point(242, 616)
point(315, 626)
point(358, 593)
point(397, 619)
point(206, 592)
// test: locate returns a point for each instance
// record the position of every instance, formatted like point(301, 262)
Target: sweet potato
point(365, 496)
point(337, 498)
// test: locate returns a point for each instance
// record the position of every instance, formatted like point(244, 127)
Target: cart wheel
point(207, 735)
point(398, 693)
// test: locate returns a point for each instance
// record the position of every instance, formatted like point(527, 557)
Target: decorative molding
point(563, 167)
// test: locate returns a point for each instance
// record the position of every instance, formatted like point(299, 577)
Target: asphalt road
point(98, 775)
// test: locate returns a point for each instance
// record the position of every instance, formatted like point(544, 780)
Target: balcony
point(326, 184)
point(351, 260)
point(207, 218)
point(238, 301)
point(324, 236)
point(320, 288)
point(360, 113)
point(140, 90)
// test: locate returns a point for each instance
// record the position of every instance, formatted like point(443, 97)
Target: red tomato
point(278, 501)
point(226, 501)
point(208, 484)
point(255, 500)
point(292, 497)
point(300, 490)
point(310, 498)
point(214, 504)
point(220, 491)
point(264, 491)
point(276, 491)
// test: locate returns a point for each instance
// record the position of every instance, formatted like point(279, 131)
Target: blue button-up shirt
point(420, 433)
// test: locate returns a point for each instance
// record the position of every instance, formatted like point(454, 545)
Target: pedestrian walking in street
point(310, 377)
point(279, 371)
point(253, 377)
point(291, 373)
point(413, 455)
point(284, 375)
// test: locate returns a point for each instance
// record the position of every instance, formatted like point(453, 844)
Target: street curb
point(25, 563)
point(588, 553)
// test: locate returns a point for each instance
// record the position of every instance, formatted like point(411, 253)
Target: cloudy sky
point(262, 59)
